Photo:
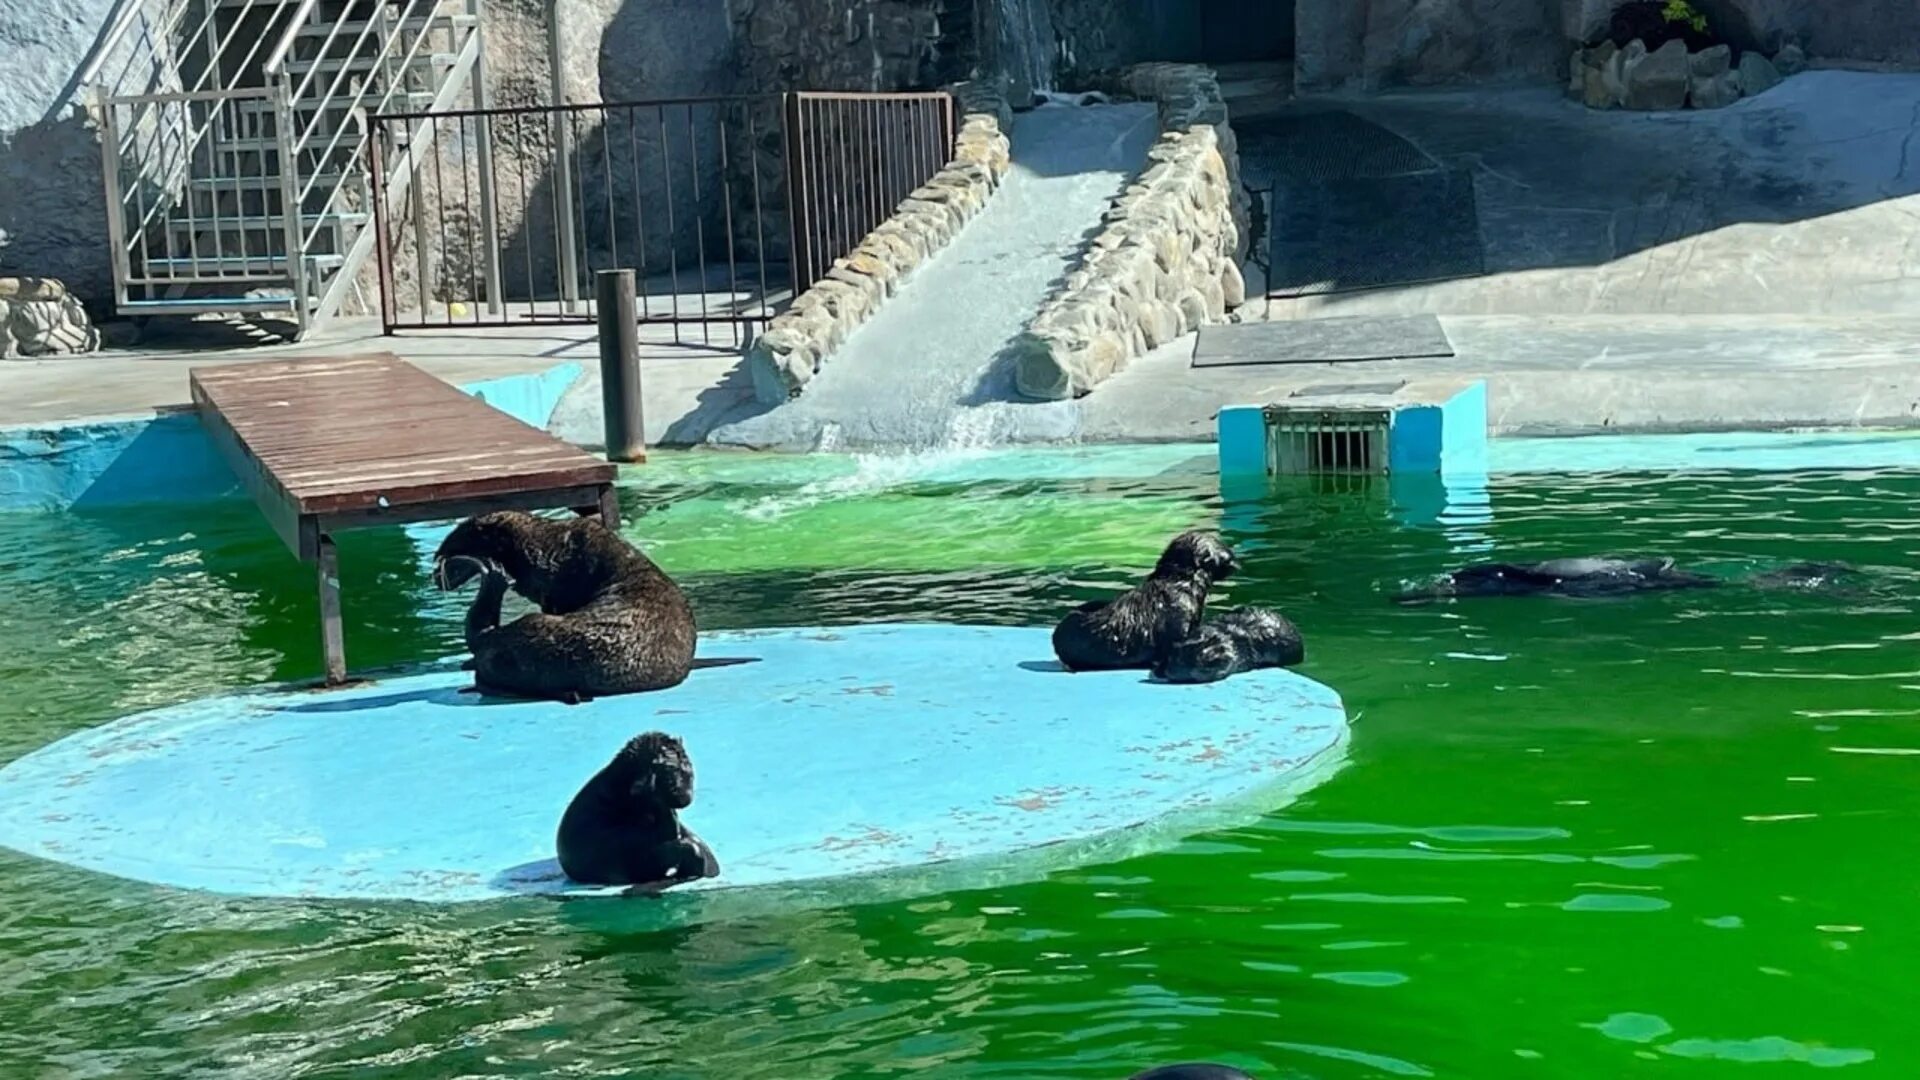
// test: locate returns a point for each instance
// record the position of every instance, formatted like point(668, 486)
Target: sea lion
point(1243, 640)
point(610, 621)
point(623, 828)
point(1132, 628)
point(1806, 575)
point(1193, 1072)
point(1585, 577)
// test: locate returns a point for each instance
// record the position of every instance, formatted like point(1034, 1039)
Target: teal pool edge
point(167, 458)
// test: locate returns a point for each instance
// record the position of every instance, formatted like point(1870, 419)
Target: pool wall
point(168, 458)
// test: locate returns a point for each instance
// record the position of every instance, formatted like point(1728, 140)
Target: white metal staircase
point(236, 136)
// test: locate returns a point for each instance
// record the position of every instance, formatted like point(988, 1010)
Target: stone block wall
point(785, 358)
point(1167, 260)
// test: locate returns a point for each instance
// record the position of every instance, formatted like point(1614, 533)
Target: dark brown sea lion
point(623, 828)
point(610, 621)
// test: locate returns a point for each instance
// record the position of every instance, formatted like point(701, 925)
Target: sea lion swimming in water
point(610, 621)
point(1130, 630)
point(1193, 1072)
point(1561, 577)
point(1598, 577)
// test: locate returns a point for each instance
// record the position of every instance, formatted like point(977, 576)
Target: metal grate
point(1309, 442)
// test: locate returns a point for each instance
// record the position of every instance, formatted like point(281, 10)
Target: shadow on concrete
point(1556, 185)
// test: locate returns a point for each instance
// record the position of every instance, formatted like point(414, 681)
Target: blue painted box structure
point(1427, 428)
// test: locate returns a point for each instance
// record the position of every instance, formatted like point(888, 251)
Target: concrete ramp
point(923, 372)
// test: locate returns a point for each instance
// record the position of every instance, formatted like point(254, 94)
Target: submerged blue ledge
point(836, 752)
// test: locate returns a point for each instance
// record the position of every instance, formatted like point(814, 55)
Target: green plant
point(1679, 11)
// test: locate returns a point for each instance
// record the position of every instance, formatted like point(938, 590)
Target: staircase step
point(352, 30)
point(206, 305)
point(271, 223)
point(411, 99)
point(269, 182)
point(366, 64)
point(234, 267)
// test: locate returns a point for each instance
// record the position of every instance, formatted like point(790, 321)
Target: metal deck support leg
point(610, 507)
point(333, 638)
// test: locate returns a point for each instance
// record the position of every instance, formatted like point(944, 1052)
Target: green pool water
point(1666, 836)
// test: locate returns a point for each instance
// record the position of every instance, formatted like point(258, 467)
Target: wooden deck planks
point(332, 444)
point(360, 434)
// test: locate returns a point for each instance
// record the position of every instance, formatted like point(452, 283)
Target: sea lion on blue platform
point(1132, 628)
point(1583, 577)
point(1243, 640)
point(1193, 1072)
point(610, 621)
point(623, 828)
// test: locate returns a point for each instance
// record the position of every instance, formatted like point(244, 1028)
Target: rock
point(38, 317)
point(1598, 91)
point(1657, 80)
point(1791, 60)
point(1757, 74)
point(1577, 73)
point(1716, 92)
point(1707, 63)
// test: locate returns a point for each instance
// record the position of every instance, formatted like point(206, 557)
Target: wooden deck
point(325, 445)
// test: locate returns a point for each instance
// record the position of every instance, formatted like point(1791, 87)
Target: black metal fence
point(850, 159)
point(724, 208)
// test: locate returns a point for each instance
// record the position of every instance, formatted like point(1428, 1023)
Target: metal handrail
point(124, 15)
point(278, 57)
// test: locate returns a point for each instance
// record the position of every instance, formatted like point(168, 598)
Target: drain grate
point(1304, 441)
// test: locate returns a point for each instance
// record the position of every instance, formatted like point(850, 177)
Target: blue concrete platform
point(834, 753)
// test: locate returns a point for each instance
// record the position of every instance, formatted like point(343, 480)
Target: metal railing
point(851, 159)
point(724, 207)
point(236, 144)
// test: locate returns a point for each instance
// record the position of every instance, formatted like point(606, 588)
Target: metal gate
point(725, 207)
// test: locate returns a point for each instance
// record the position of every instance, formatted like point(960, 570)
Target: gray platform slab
point(1323, 341)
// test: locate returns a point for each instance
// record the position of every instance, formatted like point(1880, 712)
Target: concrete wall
point(52, 210)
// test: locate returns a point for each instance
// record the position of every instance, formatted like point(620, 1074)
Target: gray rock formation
point(1757, 74)
point(1656, 80)
point(1791, 60)
point(39, 317)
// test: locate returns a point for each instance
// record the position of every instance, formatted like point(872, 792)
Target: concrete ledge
point(1167, 260)
point(787, 356)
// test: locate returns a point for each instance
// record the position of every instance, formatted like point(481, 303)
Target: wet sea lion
point(1243, 640)
point(1585, 577)
point(1134, 627)
point(1193, 1072)
point(623, 828)
point(610, 621)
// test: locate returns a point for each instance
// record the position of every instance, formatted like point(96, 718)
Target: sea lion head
point(1198, 553)
point(658, 769)
point(489, 540)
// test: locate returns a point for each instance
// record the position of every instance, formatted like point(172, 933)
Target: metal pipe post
point(564, 213)
point(333, 638)
point(619, 318)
